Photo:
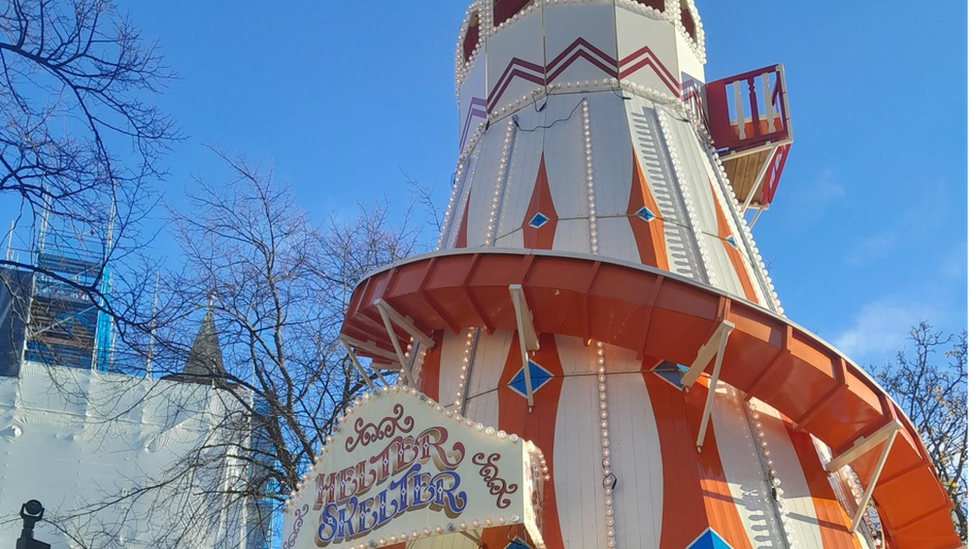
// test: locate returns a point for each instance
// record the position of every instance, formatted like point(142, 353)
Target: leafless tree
point(79, 141)
point(930, 382)
point(275, 286)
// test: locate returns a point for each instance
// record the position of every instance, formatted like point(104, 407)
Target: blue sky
point(866, 236)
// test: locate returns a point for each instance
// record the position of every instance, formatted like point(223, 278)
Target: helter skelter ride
point(594, 356)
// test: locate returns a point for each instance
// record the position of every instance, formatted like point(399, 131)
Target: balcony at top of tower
point(748, 119)
point(511, 54)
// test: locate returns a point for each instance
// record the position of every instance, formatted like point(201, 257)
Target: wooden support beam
point(863, 445)
point(401, 358)
point(523, 317)
point(370, 348)
point(712, 347)
point(528, 338)
point(404, 322)
point(359, 367)
point(869, 491)
point(721, 337)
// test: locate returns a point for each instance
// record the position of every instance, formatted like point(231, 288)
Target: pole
point(32, 512)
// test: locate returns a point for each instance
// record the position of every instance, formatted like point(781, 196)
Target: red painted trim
point(683, 517)
point(648, 235)
point(538, 426)
point(733, 253)
point(582, 42)
point(720, 508)
point(493, 100)
point(515, 61)
point(429, 381)
point(541, 202)
point(831, 517)
point(649, 63)
point(611, 71)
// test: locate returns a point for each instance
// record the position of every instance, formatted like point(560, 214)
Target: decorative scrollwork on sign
point(497, 487)
point(299, 520)
point(367, 433)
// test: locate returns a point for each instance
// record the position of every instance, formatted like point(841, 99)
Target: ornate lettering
point(497, 487)
point(367, 433)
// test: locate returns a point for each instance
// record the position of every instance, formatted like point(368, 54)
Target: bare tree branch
point(934, 396)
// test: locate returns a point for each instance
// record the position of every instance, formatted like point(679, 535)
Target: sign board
point(401, 468)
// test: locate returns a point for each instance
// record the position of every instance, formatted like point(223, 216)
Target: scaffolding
point(66, 325)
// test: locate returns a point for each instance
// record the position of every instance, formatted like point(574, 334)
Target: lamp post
point(31, 512)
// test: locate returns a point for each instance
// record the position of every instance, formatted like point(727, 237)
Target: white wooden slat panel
point(696, 178)
point(489, 360)
point(635, 458)
point(453, 541)
point(523, 173)
point(802, 513)
point(452, 351)
point(574, 357)
point(522, 41)
point(744, 471)
point(635, 31)
point(654, 158)
point(616, 238)
point(572, 235)
point(700, 191)
point(612, 154)
point(565, 155)
point(484, 183)
point(688, 63)
point(474, 87)
point(725, 276)
point(511, 240)
point(736, 221)
point(484, 408)
point(576, 459)
point(564, 24)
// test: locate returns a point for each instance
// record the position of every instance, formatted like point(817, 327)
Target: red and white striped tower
point(596, 290)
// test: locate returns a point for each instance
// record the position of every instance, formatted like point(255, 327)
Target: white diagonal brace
point(404, 322)
point(395, 341)
point(369, 347)
point(712, 347)
point(524, 317)
point(869, 491)
point(528, 338)
point(863, 445)
point(723, 331)
point(359, 367)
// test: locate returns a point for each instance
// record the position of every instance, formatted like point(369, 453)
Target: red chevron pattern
point(581, 49)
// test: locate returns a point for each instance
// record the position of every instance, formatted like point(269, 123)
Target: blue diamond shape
point(538, 220)
point(645, 214)
point(671, 372)
point(540, 376)
point(731, 241)
point(517, 543)
point(709, 540)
